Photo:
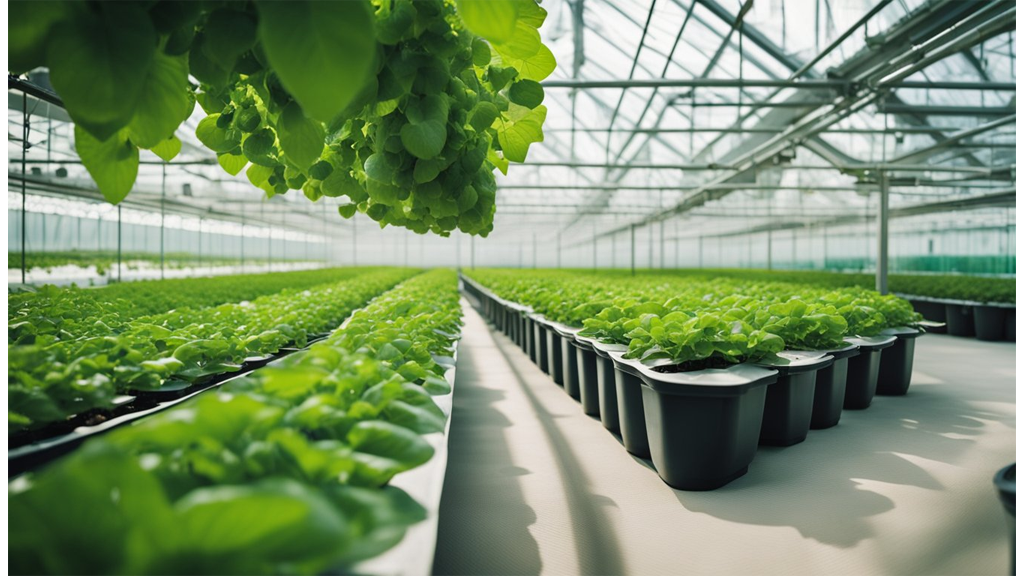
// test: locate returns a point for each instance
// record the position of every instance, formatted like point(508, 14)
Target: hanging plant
point(403, 107)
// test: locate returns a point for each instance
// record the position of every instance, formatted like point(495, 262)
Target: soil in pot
point(960, 320)
point(989, 322)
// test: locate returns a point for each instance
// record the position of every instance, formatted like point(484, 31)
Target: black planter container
point(989, 322)
point(830, 388)
point(540, 347)
point(1010, 325)
point(862, 371)
point(789, 402)
point(1006, 487)
point(932, 310)
point(897, 363)
point(552, 342)
point(960, 320)
point(704, 426)
point(570, 370)
point(607, 397)
point(630, 402)
point(586, 368)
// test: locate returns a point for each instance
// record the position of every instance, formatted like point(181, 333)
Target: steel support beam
point(882, 259)
point(746, 83)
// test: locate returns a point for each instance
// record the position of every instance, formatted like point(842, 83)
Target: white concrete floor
point(534, 486)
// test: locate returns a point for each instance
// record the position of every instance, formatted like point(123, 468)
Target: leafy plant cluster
point(405, 107)
point(105, 260)
point(693, 319)
point(55, 375)
point(283, 471)
point(951, 286)
point(68, 313)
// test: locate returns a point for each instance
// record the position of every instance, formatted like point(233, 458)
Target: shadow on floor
point(482, 506)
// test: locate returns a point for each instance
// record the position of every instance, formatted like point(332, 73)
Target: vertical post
point(355, 239)
point(661, 244)
point(594, 256)
point(769, 249)
point(824, 235)
point(632, 249)
point(118, 242)
point(534, 250)
point(24, 175)
point(882, 267)
point(700, 252)
point(200, 242)
point(615, 246)
point(241, 242)
point(472, 252)
point(650, 246)
point(558, 253)
point(792, 264)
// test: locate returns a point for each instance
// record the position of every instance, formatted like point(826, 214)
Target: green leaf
point(426, 170)
point(259, 148)
point(302, 139)
point(526, 93)
point(168, 149)
point(426, 133)
point(481, 53)
point(258, 175)
point(516, 136)
point(347, 210)
point(113, 163)
point(228, 34)
point(99, 63)
point(214, 137)
point(323, 52)
point(165, 101)
point(232, 163)
point(495, 20)
point(28, 31)
point(483, 115)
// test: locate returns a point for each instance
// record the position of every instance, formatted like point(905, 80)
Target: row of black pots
point(702, 428)
point(990, 322)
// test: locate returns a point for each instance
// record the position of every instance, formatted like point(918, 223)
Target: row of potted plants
point(695, 375)
point(317, 462)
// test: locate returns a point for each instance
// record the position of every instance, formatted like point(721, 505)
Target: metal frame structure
point(699, 114)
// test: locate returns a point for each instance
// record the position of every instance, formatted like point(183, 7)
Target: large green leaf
point(323, 52)
point(165, 101)
point(232, 163)
point(528, 93)
point(99, 63)
point(495, 20)
point(28, 31)
point(515, 135)
point(167, 149)
point(426, 133)
point(216, 138)
point(302, 139)
point(112, 163)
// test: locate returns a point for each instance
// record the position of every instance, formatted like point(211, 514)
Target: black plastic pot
point(897, 363)
point(570, 370)
point(989, 322)
point(862, 372)
point(527, 336)
point(1010, 326)
point(789, 403)
point(960, 320)
point(630, 402)
point(552, 343)
point(586, 368)
point(607, 397)
point(830, 388)
point(704, 426)
point(932, 310)
point(1006, 487)
point(540, 347)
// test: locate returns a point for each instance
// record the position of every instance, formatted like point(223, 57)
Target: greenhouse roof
point(723, 118)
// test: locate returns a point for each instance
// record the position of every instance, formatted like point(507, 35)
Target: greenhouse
point(475, 287)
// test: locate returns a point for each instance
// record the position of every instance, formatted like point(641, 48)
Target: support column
point(882, 264)
point(24, 175)
point(119, 243)
point(632, 249)
point(558, 253)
